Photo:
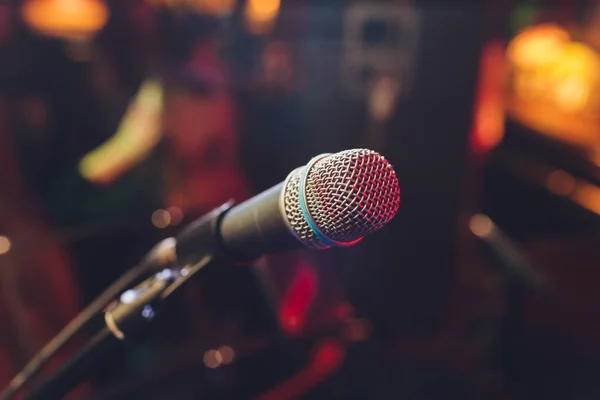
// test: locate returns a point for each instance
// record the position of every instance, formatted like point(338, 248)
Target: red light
point(297, 301)
point(328, 356)
point(488, 124)
point(343, 311)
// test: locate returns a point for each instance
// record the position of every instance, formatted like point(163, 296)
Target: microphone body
point(240, 233)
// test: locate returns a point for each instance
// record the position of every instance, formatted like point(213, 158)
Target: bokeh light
point(66, 19)
point(5, 245)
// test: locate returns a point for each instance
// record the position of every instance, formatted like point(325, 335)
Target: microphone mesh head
point(348, 195)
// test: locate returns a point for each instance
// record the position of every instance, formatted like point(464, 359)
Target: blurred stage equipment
point(505, 255)
point(333, 201)
point(519, 279)
point(379, 39)
point(552, 121)
point(76, 20)
point(554, 82)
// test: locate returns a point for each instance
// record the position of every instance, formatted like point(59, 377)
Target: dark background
point(441, 322)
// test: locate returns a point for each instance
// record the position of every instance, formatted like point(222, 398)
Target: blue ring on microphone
point(304, 206)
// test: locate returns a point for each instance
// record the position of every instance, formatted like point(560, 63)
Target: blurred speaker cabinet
point(378, 39)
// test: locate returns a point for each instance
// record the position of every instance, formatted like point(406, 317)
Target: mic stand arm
point(126, 320)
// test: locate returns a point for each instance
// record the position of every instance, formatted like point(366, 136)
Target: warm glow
point(488, 124)
point(328, 355)
point(537, 46)
point(566, 80)
point(67, 19)
point(4, 245)
point(587, 196)
point(161, 219)
point(137, 135)
point(226, 354)
point(260, 15)
point(554, 86)
point(176, 215)
point(212, 359)
point(263, 9)
point(481, 225)
point(561, 183)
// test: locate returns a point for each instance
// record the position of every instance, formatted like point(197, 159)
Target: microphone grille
point(347, 195)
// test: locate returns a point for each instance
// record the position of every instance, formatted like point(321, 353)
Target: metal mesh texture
point(349, 194)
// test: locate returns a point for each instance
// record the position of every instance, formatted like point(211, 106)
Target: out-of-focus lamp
point(66, 19)
point(260, 15)
point(554, 86)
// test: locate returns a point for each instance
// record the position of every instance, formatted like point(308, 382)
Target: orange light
point(554, 84)
point(66, 19)
point(161, 219)
point(227, 354)
point(537, 46)
point(212, 359)
point(5, 245)
point(260, 15)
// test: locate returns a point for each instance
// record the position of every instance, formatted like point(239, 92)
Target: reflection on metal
point(66, 19)
point(553, 86)
point(215, 358)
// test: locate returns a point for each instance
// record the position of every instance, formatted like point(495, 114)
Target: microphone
point(333, 201)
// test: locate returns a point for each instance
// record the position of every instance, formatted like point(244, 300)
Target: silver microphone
point(333, 201)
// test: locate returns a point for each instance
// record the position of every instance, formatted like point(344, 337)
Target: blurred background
point(121, 121)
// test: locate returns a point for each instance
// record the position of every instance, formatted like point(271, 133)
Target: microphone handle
point(241, 233)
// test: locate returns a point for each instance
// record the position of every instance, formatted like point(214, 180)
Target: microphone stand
point(128, 317)
point(126, 320)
